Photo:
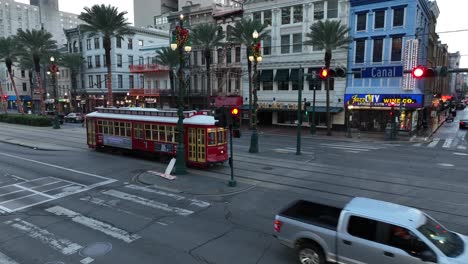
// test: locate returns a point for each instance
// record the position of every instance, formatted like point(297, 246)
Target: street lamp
point(350, 119)
point(181, 42)
point(53, 72)
point(255, 56)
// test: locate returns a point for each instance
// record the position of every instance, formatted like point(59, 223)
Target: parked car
point(51, 115)
point(463, 123)
point(367, 231)
point(74, 117)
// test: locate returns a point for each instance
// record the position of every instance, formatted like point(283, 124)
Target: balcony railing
point(148, 68)
point(149, 92)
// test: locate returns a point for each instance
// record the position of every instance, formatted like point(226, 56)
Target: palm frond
point(328, 35)
point(207, 36)
point(242, 31)
point(167, 57)
point(105, 20)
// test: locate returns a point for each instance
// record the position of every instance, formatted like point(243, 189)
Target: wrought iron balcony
point(148, 68)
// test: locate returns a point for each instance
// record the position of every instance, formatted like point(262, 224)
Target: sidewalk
point(32, 144)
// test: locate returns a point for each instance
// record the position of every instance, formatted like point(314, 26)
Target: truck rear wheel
point(310, 254)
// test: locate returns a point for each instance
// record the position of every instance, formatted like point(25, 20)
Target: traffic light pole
point(232, 182)
point(299, 111)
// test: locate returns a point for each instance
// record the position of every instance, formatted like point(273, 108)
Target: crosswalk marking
point(417, 145)
point(352, 146)
point(86, 260)
point(63, 245)
point(447, 143)
point(461, 147)
point(349, 148)
point(171, 195)
point(147, 202)
point(111, 204)
point(4, 259)
point(94, 224)
point(434, 142)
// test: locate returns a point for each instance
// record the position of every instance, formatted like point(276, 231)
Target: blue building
point(389, 36)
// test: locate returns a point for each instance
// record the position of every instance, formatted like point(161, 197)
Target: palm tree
point(8, 52)
point(72, 61)
point(328, 35)
point(110, 23)
point(34, 45)
point(170, 58)
point(241, 33)
point(207, 37)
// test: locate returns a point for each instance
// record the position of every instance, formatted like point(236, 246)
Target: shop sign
point(384, 100)
point(382, 72)
point(150, 100)
point(121, 142)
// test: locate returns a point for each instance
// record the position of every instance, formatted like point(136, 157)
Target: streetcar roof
point(194, 120)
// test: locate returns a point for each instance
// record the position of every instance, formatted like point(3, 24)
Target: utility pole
point(299, 110)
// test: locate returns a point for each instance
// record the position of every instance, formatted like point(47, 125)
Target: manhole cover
point(267, 168)
point(96, 249)
point(72, 188)
point(55, 262)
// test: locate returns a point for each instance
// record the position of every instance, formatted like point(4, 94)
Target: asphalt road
point(75, 205)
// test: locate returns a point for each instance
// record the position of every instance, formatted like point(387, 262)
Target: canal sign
point(382, 72)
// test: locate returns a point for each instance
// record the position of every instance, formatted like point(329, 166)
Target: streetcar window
point(221, 137)
point(154, 132)
point(147, 131)
point(170, 134)
point(128, 129)
point(138, 130)
point(211, 137)
point(99, 128)
point(162, 133)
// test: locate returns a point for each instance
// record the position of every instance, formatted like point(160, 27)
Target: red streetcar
point(154, 130)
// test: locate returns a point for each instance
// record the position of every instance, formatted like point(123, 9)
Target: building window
point(267, 45)
point(90, 62)
point(297, 14)
point(25, 87)
point(195, 57)
point(202, 59)
point(379, 20)
point(257, 16)
point(285, 44)
point(285, 15)
point(297, 42)
point(90, 81)
point(140, 43)
point(195, 83)
point(220, 56)
point(96, 43)
point(398, 17)
point(130, 43)
point(104, 60)
point(131, 81)
point(377, 50)
point(267, 17)
point(361, 22)
point(141, 60)
point(332, 9)
point(238, 54)
point(228, 55)
point(119, 43)
point(130, 60)
point(120, 81)
point(88, 44)
point(360, 51)
point(98, 81)
point(396, 49)
point(237, 86)
point(119, 60)
point(318, 10)
point(23, 73)
point(97, 60)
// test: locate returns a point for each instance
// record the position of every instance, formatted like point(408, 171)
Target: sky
point(452, 17)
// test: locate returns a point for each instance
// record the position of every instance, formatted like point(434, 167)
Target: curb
point(31, 146)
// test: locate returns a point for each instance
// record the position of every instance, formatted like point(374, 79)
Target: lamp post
point(180, 42)
point(255, 57)
point(350, 119)
point(299, 110)
point(53, 72)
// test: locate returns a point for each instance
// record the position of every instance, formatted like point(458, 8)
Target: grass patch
point(29, 120)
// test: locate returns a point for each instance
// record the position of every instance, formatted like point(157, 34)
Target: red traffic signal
point(392, 104)
point(324, 73)
point(5, 97)
point(418, 72)
point(235, 111)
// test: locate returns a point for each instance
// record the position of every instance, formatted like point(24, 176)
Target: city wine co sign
point(384, 100)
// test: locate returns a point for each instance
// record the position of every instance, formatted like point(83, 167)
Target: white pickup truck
point(367, 231)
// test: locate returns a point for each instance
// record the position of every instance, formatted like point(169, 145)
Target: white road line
point(56, 166)
point(4, 259)
point(147, 202)
point(111, 205)
point(461, 147)
point(434, 142)
point(86, 260)
point(34, 191)
point(460, 154)
point(293, 150)
point(63, 245)
point(352, 151)
point(94, 224)
point(171, 195)
point(447, 143)
point(351, 146)
point(417, 145)
point(4, 209)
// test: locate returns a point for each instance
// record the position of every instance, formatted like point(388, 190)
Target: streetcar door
point(196, 145)
point(91, 132)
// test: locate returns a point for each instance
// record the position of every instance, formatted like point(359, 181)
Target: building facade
point(454, 63)
point(147, 12)
point(284, 54)
point(389, 37)
point(125, 55)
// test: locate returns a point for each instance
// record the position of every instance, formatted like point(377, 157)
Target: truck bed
point(313, 213)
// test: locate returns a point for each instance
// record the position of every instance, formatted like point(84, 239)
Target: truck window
point(362, 227)
point(402, 238)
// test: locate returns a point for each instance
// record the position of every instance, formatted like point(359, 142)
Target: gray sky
point(452, 17)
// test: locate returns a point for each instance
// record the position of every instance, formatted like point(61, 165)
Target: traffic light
point(221, 117)
point(306, 105)
point(325, 73)
point(235, 117)
point(421, 71)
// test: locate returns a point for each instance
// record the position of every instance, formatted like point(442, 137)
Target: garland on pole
point(182, 35)
point(256, 50)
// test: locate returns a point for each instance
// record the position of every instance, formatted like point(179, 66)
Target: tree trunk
point(73, 90)
point(249, 70)
point(171, 79)
point(42, 91)
point(208, 79)
point(328, 56)
point(107, 48)
point(2, 99)
point(9, 63)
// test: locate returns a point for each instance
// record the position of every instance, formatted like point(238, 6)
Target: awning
point(323, 109)
point(25, 97)
point(311, 71)
point(294, 75)
point(12, 98)
point(266, 76)
point(282, 75)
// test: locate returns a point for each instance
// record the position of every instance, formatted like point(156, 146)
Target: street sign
point(382, 72)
